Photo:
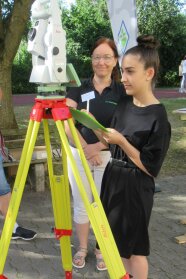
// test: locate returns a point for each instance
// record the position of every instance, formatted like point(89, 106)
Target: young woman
point(138, 140)
point(105, 92)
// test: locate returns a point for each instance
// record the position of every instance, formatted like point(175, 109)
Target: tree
point(14, 16)
point(21, 71)
point(84, 23)
point(163, 19)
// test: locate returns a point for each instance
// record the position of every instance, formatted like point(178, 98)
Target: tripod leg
point(95, 210)
point(61, 205)
point(17, 192)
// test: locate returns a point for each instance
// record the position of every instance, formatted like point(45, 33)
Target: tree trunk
point(11, 32)
point(7, 119)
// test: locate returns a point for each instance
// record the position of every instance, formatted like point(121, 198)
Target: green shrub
point(171, 79)
point(21, 71)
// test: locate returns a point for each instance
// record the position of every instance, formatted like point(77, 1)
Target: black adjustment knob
point(55, 51)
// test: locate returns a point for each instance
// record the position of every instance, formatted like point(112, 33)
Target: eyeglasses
point(106, 58)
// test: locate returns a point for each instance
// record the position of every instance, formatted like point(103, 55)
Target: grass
point(174, 163)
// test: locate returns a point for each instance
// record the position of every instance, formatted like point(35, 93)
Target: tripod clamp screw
point(61, 232)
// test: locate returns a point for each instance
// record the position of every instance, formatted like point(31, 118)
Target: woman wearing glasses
point(100, 94)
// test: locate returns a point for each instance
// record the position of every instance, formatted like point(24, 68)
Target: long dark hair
point(103, 40)
point(147, 49)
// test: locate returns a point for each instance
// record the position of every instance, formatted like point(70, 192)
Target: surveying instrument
point(47, 45)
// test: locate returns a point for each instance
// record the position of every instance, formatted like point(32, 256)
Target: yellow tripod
point(57, 110)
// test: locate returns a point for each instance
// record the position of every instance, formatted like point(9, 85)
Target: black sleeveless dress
point(127, 192)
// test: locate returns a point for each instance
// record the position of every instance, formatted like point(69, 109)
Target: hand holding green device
point(87, 120)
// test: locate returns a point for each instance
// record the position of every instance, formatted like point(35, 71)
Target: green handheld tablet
point(85, 119)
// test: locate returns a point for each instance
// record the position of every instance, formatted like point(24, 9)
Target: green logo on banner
point(123, 37)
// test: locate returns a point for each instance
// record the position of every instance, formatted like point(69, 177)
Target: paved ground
point(40, 258)
point(21, 100)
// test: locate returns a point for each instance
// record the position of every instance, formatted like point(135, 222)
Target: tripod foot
point(68, 274)
point(3, 277)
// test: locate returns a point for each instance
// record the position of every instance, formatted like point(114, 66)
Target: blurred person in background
point(5, 196)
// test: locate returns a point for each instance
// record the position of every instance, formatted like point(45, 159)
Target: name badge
point(88, 96)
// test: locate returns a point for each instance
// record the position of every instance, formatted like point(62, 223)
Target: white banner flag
point(123, 19)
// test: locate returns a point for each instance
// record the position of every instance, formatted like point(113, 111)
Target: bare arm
point(73, 104)
point(91, 150)
point(98, 133)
